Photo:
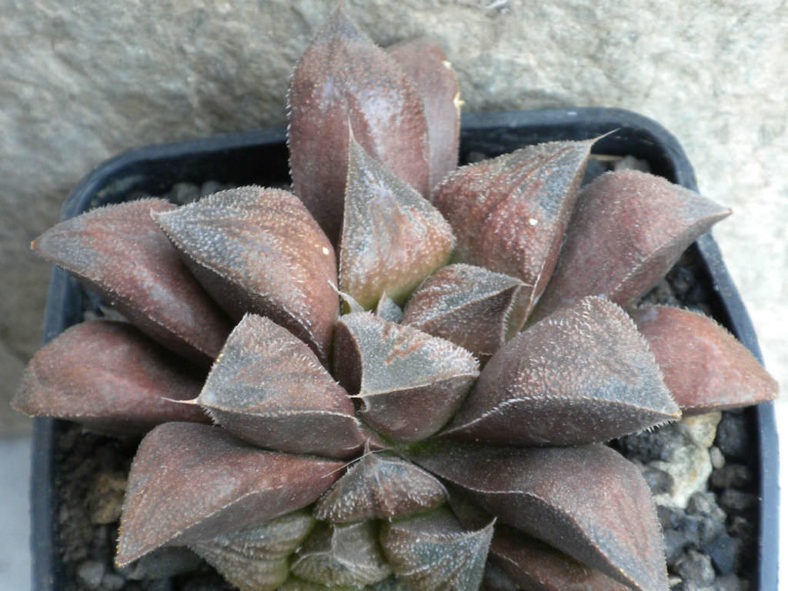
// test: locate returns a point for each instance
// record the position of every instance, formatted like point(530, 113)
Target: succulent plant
point(428, 408)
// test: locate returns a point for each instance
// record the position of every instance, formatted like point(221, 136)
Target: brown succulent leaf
point(342, 555)
point(344, 81)
point(268, 388)
point(588, 502)
point(470, 306)
point(509, 213)
point(120, 252)
point(258, 250)
point(410, 383)
point(630, 227)
point(191, 482)
point(109, 377)
point(704, 366)
point(379, 487)
point(388, 309)
point(526, 562)
point(536, 566)
point(424, 61)
point(392, 237)
point(433, 551)
point(256, 559)
point(582, 375)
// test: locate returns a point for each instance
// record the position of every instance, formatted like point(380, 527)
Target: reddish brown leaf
point(336, 555)
point(433, 551)
point(704, 366)
point(120, 252)
point(470, 306)
point(109, 377)
point(257, 559)
point(509, 213)
point(258, 250)
point(424, 61)
point(379, 487)
point(268, 388)
point(409, 382)
point(392, 237)
point(588, 502)
point(538, 567)
point(630, 227)
point(582, 375)
point(190, 483)
point(343, 79)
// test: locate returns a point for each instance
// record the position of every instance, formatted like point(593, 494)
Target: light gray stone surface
point(688, 462)
point(81, 81)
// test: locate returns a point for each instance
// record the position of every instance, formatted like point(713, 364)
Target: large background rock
point(81, 81)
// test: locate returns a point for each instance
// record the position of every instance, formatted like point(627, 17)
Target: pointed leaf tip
point(190, 483)
point(470, 306)
point(392, 237)
point(630, 227)
point(344, 79)
point(259, 250)
point(109, 377)
point(120, 252)
point(268, 388)
point(410, 383)
point(509, 213)
point(336, 555)
point(704, 366)
point(388, 309)
point(379, 487)
point(582, 375)
point(433, 551)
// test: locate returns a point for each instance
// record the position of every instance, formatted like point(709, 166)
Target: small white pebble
point(717, 459)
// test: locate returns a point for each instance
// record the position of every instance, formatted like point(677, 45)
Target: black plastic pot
point(260, 156)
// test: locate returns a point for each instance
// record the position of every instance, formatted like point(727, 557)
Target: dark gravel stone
point(210, 187)
point(669, 517)
point(682, 279)
point(658, 480)
point(659, 444)
point(113, 582)
point(732, 476)
point(90, 573)
point(732, 437)
point(705, 504)
point(732, 500)
point(695, 567)
point(661, 294)
point(675, 542)
point(731, 583)
point(723, 551)
point(183, 193)
point(711, 518)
